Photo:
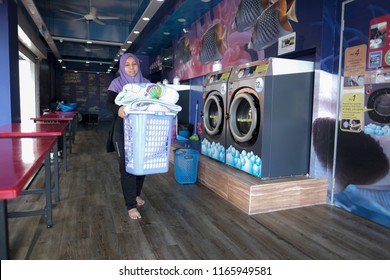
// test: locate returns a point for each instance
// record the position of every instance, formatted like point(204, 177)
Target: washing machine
point(269, 117)
point(377, 103)
point(213, 114)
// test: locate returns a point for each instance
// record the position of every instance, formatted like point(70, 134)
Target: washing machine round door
point(378, 105)
point(213, 114)
point(244, 117)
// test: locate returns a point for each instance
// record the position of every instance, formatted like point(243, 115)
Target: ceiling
point(90, 35)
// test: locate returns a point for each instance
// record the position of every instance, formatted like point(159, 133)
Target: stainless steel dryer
point(269, 117)
point(377, 103)
point(213, 114)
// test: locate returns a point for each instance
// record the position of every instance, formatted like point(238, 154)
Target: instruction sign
point(379, 42)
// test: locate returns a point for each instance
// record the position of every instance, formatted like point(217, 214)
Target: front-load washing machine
point(377, 103)
point(269, 117)
point(213, 114)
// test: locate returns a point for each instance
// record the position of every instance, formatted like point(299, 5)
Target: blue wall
point(9, 61)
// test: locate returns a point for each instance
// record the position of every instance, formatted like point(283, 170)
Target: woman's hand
point(121, 112)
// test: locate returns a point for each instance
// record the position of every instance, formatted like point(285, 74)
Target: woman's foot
point(140, 201)
point(134, 214)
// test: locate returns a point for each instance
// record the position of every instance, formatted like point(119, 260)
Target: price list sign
point(352, 98)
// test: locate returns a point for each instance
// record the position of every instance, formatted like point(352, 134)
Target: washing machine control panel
point(217, 77)
point(249, 71)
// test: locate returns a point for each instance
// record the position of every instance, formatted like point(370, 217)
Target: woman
point(131, 184)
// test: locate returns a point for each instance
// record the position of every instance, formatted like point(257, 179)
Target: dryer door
point(213, 113)
point(244, 117)
point(378, 105)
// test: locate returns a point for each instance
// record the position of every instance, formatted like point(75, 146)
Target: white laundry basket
point(147, 141)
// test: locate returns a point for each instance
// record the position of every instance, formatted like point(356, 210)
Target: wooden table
point(69, 117)
point(20, 160)
point(34, 130)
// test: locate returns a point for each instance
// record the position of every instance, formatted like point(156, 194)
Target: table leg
point(74, 127)
point(49, 221)
point(56, 174)
point(64, 150)
point(70, 136)
point(4, 242)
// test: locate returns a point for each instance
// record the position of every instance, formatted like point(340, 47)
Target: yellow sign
point(352, 110)
point(355, 61)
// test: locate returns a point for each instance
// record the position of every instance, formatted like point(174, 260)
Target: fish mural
point(247, 13)
point(213, 44)
point(183, 50)
point(272, 24)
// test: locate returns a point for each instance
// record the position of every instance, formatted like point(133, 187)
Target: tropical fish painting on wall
point(269, 19)
point(225, 34)
point(247, 13)
point(213, 44)
point(183, 50)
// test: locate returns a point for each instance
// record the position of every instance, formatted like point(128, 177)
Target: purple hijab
point(118, 83)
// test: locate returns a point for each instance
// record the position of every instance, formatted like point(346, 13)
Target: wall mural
point(219, 41)
point(234, 32)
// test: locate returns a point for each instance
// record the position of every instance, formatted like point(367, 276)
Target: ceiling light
point(150, 48)
point(129, 42)
point(116, 59)
point(181, 20)
point(205, 1)
point(166, 33)
point(136, 32)
point(145, 18)
point(89, 42)
point(124, 50)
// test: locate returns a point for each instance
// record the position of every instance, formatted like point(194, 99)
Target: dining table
point(59, 116)
point(39, 130)
point(20, 161)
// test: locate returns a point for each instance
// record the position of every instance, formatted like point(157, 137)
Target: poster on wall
point(286, 44)
point(352, 96)
point(88, 90)
point(379, 42)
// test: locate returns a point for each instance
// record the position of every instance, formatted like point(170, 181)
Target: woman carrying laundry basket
point(131, 184)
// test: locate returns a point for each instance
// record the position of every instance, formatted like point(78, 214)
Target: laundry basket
point(147, 142)
point(186, 165)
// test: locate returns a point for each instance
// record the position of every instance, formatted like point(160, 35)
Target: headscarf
point(118, 83)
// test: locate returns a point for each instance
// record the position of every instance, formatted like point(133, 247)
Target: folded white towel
point(148, 96)
point(147, 104)
point(146, 90)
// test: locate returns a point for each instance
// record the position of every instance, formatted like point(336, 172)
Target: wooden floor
point(180, 222)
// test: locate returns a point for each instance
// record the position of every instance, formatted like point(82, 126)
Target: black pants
point(131, 184)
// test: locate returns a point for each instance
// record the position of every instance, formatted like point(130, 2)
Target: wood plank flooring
point(180, 222)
